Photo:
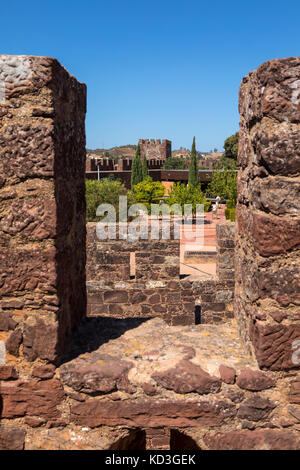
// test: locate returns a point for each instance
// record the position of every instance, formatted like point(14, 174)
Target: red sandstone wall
point(157, 290)
point(42, 214)
point(268, 217)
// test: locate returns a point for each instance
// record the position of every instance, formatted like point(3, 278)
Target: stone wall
point(157, 289)
point(42, 215)
point(268, 214)
point(132, 385)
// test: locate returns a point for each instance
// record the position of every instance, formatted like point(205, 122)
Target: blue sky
point(156, 69)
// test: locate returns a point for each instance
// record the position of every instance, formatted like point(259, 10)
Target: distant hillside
point(123, 150)
point(181, 153)
point(184, 153)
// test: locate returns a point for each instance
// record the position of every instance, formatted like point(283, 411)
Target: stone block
point(42, 222)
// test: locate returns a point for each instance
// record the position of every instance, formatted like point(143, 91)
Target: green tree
point(104, 191)
point(228, 163)
point(145, 168)
point(231, 147)
point(182, 194)
point(223, 184)
point(193, 169)
point(175, 163)
point(136, 169)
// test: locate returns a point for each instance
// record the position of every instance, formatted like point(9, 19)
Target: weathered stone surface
point(255, 408)
point(267, 216)
point(274, 345)
point(276, 195)
point(14, 341)
point(278, 150)
point(149, 389)
point(35, 220)
point(7, 323)
point(42, 217)
point(294, 392)
point(12, 438)
point(295, 412)
point(95, 373)
point(72, 439)
point(40, 340)
point(44, 372)
point(151, 413)
point(2, 352)
point(273, 235)
point(227, 374)
point(56, 423)
point(12, 303)
point(269, 234)
point(28, 269)
point(31, 398)
point(271, 91)
point(34, 421)
point(261, 439)
point(278, 316)
point(187, 377)
point(254, 380)
point(8, 373)
point(116, 296)
point(236, 396)
point(280, 283)
point(244, 147)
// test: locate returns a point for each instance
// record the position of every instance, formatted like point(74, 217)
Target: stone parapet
point(267, 288)
point(42, 215)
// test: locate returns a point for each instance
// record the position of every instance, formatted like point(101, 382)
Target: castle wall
point(127, 385)
point(268, 217)
point(157, 290)
point(155, 149)
point(42, 215)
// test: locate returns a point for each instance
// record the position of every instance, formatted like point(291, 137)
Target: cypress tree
point(193, 170)
point(145, 168)
point(136, 169)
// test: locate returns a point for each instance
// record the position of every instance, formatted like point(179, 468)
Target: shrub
point(148, 191)
point(229, 204)
point(227, 213)
point(182, 194)
point(232, 215)
point(223, 184)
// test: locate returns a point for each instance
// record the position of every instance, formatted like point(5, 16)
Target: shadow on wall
point(180, 441)
point(137, 440)
point(93, 332)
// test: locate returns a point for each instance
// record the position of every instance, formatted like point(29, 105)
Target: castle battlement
point(155, 148)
